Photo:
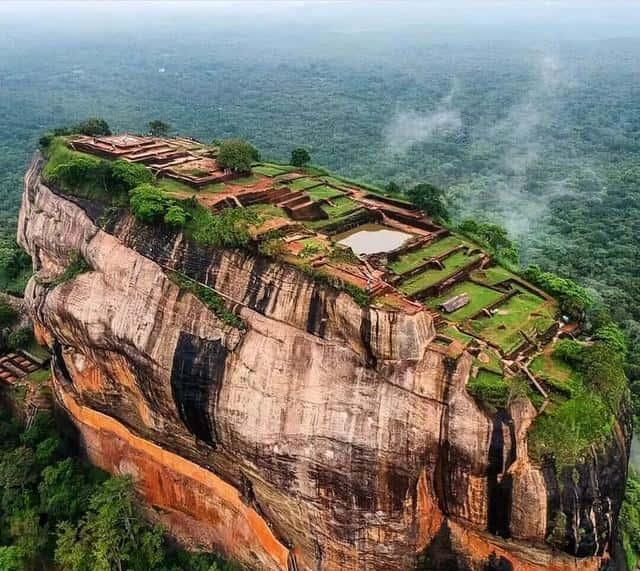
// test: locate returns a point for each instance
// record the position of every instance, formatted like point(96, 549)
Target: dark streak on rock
point(499, 491)
point(365, 336)
point(196, 376)
point(317, 313)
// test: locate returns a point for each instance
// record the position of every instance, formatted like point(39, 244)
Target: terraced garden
point(323, 192)
point(492, 276)
point(302, 183)
point(525, 311)
point(451, 264)
point(340, 207)
point(479, 298)
point(434, 249)
point(271, 170)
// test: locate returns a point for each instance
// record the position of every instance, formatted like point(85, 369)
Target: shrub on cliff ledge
point(230, 227)
point(150, 205)
point(93, 126)
point(574, 299)
point(126, 176)
point(430, 200)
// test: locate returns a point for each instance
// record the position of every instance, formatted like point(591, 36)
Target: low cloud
point(409, 128)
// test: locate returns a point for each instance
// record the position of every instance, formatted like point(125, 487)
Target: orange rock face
point(192, 502)
point(322, 436)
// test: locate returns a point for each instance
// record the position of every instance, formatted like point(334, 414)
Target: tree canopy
point(57, 510)
point(493, 237)
point(300, 157)
point(237, 155)
point(430, 199)
point(92, 126)
point(159, 128)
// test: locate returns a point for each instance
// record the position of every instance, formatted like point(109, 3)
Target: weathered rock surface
point(324, 436)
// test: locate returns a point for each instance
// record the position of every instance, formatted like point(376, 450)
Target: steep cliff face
point(323, 435)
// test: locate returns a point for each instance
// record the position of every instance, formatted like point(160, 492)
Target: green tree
point(493, 237)
point(300, 157)
point(112, 534)
point(13, 259)
point(126, 176)
point(148, 203)
point(19, 338)
point(574, 299)
point(77, 170)
point(237, 155)
point(92, 126)
point(30, 538)
point(175, 216)
point(393, 187)
point(159, 128)
point(430, 200)
point(63, 491)
point(10, 559)
point(8, 315)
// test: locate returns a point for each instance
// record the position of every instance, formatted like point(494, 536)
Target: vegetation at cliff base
point(56, 511)
point(630, 520)
point(15, 267)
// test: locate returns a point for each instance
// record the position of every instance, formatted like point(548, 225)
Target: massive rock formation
point(323, 435)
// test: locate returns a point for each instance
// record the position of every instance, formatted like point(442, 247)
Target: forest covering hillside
point(542, 137)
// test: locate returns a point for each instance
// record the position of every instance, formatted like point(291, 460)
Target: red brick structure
point(179, 158)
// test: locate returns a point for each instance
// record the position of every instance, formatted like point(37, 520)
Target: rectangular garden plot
point(525, 312)
point(323, 192)
point(303, 183)
point(270, 170)
point(479, 298)
point(433, 276)
point(340, 206)
point(435, 249)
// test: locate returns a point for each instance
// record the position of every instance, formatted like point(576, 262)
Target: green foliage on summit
point(88, 176)
point(237, 155)
point(594, 398)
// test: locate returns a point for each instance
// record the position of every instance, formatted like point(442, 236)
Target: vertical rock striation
point(323, 435)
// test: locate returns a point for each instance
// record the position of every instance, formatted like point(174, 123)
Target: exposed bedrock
point(323, 436)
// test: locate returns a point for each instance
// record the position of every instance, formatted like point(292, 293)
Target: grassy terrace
point(525, 311)
point(303, 183)
point(433, 250)
point(340, 207)
point(492, 276)
point(456, 334)
point(430, 277)
point(342, 211)
point(554, 372)
point(323, 192)
point(479, 297)
point(174, 186)
point(268, 169)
